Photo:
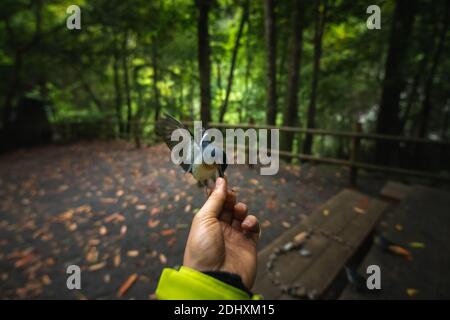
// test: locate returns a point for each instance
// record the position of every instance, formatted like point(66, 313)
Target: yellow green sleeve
point(189, 284)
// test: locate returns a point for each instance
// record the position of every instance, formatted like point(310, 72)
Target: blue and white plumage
point(200, 170)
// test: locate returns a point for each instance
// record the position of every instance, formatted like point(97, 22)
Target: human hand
point(223, 237)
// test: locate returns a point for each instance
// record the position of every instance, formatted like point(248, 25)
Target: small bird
point(201, 171)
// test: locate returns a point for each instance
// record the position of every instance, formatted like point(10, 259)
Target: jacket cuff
point(232, 279)
point(189, 284)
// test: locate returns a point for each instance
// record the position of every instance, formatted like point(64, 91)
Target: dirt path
point(115, 211)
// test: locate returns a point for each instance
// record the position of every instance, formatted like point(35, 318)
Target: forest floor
point(123, 214)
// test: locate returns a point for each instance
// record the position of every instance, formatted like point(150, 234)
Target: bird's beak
point(221, 173)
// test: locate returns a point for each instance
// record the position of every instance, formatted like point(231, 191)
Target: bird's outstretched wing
point(164, 128)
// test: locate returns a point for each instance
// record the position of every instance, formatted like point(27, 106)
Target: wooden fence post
point(354, 153)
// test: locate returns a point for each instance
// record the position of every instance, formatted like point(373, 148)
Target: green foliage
point(74, 70)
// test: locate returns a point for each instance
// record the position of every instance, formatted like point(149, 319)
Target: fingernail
point(219, 182)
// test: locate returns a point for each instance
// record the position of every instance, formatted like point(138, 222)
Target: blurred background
point(84, 180)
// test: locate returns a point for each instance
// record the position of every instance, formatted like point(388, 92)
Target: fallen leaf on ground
point(117, 260)
point(127, 285)
point(92, 255)
point(63, 187)
point(411, 292)
point(162, 258)
point(359, 210)
point(152, 223)
point(171, 241)
point(46, 280)
point(94, 242)
point(266, 224)
point(417, 245)
point(168, 232)
point(398, 227)
point(286, 224)
point(103, 230)
point(155, 211)
point(398, 250)
point(123, 230)
point(65, 216)
point(108, 200)
point(97, 266)
point(141, 207)
point(72, 227)
point(271, 204)
point(114, 217)
point(326, 212)
point(301, 237)
point(24, 261)
point(133, 253)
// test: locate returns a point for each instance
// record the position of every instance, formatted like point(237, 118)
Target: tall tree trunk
point(13, 88)
point(156, 98)
point(219, 75)
point(89, 90)
point(393, 83)
point(117, 88)
point(414, 87)
point(249, 59)
point(204, 62)
point(137, 118)
point(237, 43)
point(445, 122)
point(290, 112)
point(426, 48)
point(181, 97)
point(192, 87)
point(427, 103)
point(126, 82)
point(271, 60)
point(319, 25)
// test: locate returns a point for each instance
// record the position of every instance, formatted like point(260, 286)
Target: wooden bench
point(336, 234)
point(395, 191)
point(423, 215)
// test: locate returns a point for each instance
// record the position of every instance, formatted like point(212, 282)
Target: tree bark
point(126, 83)
point(271, 59)
point(117, 88)
point(414, 87)
point(13, 88)
point(156, 95)
point(290, 112)
point(137, 118)
point(445, 122)
point(427, 103)
point(426, 48)
point(237, 43)
point(204, 62)
point(319, 25)
point(393, 83)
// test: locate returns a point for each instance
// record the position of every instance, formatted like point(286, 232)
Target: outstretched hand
point(223, 237)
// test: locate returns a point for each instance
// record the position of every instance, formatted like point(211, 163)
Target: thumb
point(213, 206)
